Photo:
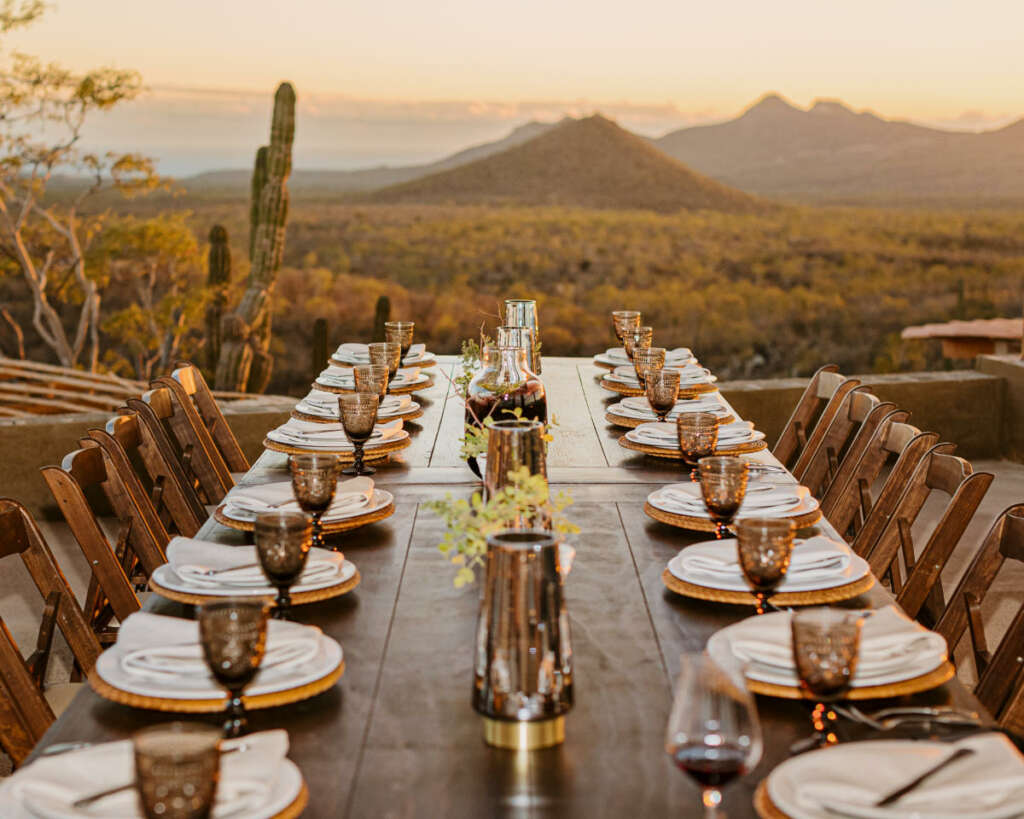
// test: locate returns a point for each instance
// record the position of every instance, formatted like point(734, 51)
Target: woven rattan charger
point(411, 415)
point(811, 597)
point(346, 456)
point(677, 454)
point(298, 598)
point(426, 362)
point(914, 685)
point(213, 706)
point(329, 526)
point(401, 389)
point(629, 422)
point(687, 391)
point(702, 524)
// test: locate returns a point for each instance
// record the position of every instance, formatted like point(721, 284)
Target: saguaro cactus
point(218, 276)
point(380, 316)
point(245, 361)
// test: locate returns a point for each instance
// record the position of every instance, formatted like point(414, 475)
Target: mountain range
point(774, 149)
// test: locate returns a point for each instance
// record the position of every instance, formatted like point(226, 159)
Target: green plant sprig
point(526, 500)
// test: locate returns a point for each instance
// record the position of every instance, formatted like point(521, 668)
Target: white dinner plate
point(380, 499)
point(166, 577)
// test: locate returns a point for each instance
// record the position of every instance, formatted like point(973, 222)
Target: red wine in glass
point(712, 766)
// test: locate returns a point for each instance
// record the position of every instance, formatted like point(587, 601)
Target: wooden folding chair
point(19, 535)
point(192, 383)
point(916, 584)
point(848, 502)
point(1001, 686)
point(860, 411)
point(153, 458)
point(24, 713)
point(120, 568)
point(813, 413)
point(199, 454)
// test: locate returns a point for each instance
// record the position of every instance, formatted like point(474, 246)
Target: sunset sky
point(408, 80)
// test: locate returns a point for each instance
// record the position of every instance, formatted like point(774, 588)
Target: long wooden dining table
point(397, 737)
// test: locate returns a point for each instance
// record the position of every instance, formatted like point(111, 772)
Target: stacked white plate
point(257, 781)
point(639, 407)
point(615, 356)
point(817, 563)
point(314, 436)
point(764, 499)
point(353, 498)
point(848, 779)
point(202, 567)
point(689, 375)
point(352, 352)
point(665, 435)
point(341, 378)
point(893, 648)
point(157, 656)
point(325, 405)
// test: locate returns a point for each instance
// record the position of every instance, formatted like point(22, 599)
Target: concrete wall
point(26, 444)
point(963, 406)
point(1011, 369)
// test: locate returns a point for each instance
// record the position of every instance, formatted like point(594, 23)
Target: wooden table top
point(397, 737)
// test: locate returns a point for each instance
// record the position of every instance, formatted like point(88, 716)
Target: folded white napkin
point(889, 641)
point(815, 558)
point(49, 786)
point(681, 355)
point(637, 406)
point(238, 566)
point(325, 404)
point(988, 784)
point(336, 376)
point(159, 647)
point(358, 353)
point(768, 499)
point(248, 501)
point(663, 433)
point(689, 374)
point(314, 435)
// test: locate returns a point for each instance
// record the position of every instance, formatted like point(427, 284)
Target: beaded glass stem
point(314, 478)
point(283, 540)
point(698, 437)
point(764, 547)
point(723, 484)
point(662, 391)
point(358, 413)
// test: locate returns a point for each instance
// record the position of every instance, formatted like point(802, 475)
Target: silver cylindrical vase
point(523, 313)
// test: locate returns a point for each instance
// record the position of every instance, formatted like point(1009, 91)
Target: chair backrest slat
point(192, 381)
point(803, 414)
point(24, 713)
point(814, 412)
point(1001, 686)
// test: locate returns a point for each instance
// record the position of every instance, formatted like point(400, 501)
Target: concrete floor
point(21, 606)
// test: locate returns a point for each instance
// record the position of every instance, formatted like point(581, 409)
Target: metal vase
point(512, 445)
point(523, 313)
point(523, 684)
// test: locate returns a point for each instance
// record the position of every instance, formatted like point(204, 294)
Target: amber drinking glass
point(387, 354)
point(764, 547)
point(723, 484)
point(623, 321)
point(648, 360)
point(826, 645)
point(233, 633)
point(372, 378)
point(400, 333)
point(177, 767)
point(314, 477)
point(283, 540)
point(636, 338)
point(358, 417)
point(698, 435)
point(662, 391)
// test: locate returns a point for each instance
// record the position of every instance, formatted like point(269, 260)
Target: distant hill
point(588, 162)
point(830, 152)
point(364, 179)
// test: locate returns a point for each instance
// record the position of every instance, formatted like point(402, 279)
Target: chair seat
point(59, 695)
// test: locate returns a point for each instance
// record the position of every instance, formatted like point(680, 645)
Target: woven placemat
point(329, 527)
point(412, 415)
point(377, 453)
point(700, 524)
point(739, 598)
point(629, 422)
point(677, 454)
point(400, 390)
point(214, 706)
point(427, 362)
point(298, 598)
point(689, 391)
point(915, 685)
point(763, 803)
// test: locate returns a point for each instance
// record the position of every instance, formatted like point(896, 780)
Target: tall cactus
point(381, 315)
point(218, 277)
point(245, 361)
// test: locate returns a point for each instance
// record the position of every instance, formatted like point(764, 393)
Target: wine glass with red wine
point(713, 733)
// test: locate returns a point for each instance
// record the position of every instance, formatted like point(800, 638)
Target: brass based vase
point(523, 313)
point(523, 681)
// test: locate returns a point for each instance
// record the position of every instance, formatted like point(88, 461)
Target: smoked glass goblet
point(662, 391)
point(723, 484)
point(764, 547)
point(698, 436)
point(233, 633)
point(358, 416)
point(314, 478)
point(648, 360)
point(283, 540)
point(400, 333)
point(388, 354)
point(624, 320)
point(636, 338)
point(177, 768)
point(372, 378)
point(826, 646)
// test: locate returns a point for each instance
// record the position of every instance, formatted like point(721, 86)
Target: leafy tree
point(46, 238)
